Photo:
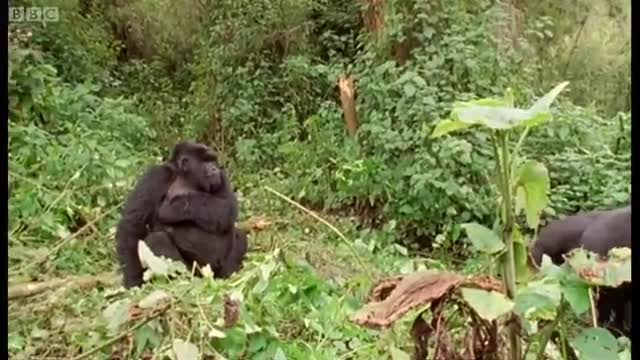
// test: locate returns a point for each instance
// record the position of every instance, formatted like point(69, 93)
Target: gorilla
point(599, 232)
point(184, 209)
point(610, 230)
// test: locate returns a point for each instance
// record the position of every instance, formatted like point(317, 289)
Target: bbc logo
point(31, 14)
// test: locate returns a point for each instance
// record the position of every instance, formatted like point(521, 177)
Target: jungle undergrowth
point(312, 286)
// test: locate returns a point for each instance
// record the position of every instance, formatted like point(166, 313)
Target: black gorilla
point(610, 230)
point(599, 232)
point(184, 209)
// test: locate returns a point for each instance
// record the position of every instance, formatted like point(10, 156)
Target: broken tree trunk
point(347, 98)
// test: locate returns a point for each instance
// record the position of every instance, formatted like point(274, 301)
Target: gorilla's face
point(200, 168)
point(211, 178)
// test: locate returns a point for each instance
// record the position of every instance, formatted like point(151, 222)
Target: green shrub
point(72, 154)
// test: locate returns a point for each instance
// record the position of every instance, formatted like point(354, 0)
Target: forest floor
point(300, 284)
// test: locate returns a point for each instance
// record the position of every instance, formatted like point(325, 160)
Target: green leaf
point(185, 350)
point(577, 295)
point(539, 299)
point(447, 126)
point(116, 314)
point(533, 186)
point(397, 354)
point(492, 117)
point(535, 306)
point(265, 274)
point(545, 102)
point(482, 238)
point(488, 304)
point(499, 114)
point(596, 344)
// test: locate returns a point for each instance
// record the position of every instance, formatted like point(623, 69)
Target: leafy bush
point(70, 153)
point(81, 48)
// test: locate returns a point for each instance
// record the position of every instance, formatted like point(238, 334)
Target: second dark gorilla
point(599, 232)
point(186, 210)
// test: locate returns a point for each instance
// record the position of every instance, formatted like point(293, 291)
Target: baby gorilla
point(599, 232)
point(186, 210)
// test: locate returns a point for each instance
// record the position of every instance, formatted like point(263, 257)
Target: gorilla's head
point(198, 165)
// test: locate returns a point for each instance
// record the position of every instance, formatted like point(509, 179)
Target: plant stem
point(508, 264)
point(547, 332)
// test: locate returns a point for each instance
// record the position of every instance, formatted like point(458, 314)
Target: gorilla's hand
point(210, 213)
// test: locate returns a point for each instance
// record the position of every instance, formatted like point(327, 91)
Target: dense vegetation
point(107, 90)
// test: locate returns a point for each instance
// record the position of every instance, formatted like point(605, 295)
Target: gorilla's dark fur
point(561, 236)
point(599, 232)
point(184, 209)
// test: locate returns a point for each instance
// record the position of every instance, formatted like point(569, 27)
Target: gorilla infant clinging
point(184, 209)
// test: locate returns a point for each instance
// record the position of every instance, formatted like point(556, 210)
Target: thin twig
point(325, 222)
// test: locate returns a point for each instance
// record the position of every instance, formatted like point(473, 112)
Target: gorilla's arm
point(211, 213)
point(137, 214)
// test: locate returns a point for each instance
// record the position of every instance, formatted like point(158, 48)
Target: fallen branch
point(33, 288)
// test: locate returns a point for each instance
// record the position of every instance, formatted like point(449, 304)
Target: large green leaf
point(539, 299)
point(596, 344)
point(483, 239)
point(497, 114)
point(488, 304)
point(577, 295)
point(447, 126)
point(533, 186)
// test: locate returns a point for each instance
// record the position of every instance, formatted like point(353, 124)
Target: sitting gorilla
point(599, 232)
point(184, 209)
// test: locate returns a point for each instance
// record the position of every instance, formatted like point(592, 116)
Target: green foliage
point(257, 79)
point(81, 48)
point(543, 298)
point(69, 152)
